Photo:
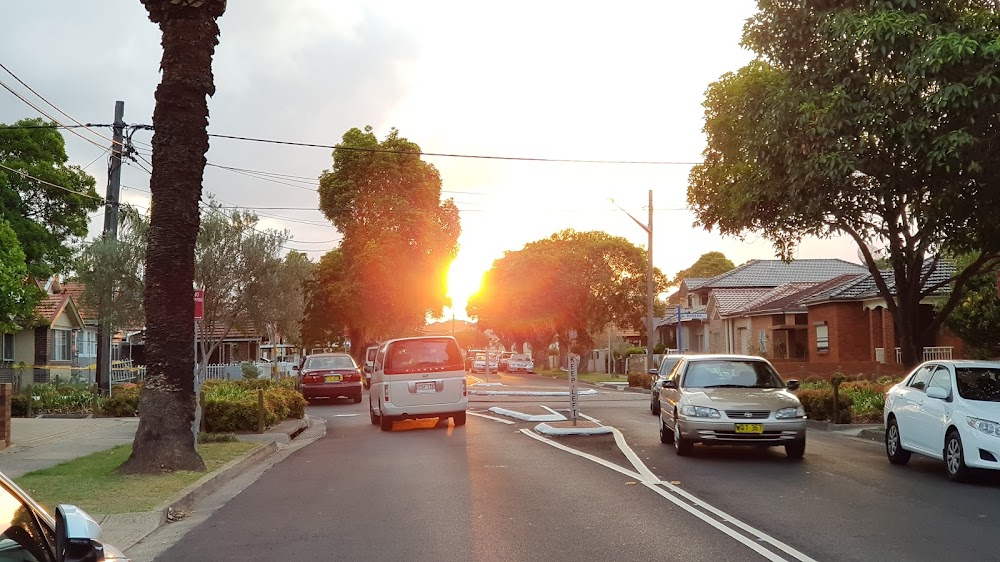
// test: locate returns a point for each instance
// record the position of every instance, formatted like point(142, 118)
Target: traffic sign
point(199, 304)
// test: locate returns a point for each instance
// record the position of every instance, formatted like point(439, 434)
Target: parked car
point(369, 363)
point(667, 364)
point(504, 360)
point(946, 410)
point(421, 377)
point(32, 534)
point(520, 363)
point(730, 400)
point(330, 375)
point(479, 364)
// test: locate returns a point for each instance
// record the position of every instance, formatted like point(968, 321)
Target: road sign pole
point(199, 313)
point(574, 398)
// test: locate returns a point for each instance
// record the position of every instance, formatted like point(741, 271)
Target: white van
point(369, 364)
point(421, 377)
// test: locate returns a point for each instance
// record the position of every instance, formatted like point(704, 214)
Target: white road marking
point(508, 422)
point(345, 415)
point(674, 494)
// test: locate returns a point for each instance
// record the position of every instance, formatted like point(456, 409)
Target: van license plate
point(749, 428)
point(426, 387)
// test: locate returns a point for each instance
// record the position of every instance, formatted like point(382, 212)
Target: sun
point(464, 280)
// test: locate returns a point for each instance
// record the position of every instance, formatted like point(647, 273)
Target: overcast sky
point(553, 79)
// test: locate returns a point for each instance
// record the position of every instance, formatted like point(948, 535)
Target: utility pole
point(111, 199)
point(649, 278)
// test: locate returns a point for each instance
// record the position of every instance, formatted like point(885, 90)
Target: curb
point(872, 434)
point(546, 429)
point(212, 482)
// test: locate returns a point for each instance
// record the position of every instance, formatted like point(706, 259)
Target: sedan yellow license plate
point(333, 378)
point(749, 428)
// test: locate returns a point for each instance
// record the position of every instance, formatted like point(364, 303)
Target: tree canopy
point(709, 264)
point(570, 281)
point(50, 215)
point(390, 271)
point(875, 120)
point(17, 296)
point(976, 318)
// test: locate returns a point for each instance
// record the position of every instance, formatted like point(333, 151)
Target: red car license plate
point(333, 378)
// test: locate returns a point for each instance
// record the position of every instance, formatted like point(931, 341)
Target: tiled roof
point(794, 294)
point(772, 273)
point(731, 301)
point(695, 282)
point(864, 287)
point(75, 291)
point(49, 307)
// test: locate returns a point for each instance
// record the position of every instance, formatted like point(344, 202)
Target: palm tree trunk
point(164, 440)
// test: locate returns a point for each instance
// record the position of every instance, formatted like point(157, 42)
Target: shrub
point(232, 405)
point(123, 402)
point(60, 398)
point(818, 404)
point(19, 405)
point(250, 371)
point(640, 380)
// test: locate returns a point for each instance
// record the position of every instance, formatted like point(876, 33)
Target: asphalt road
point(488, 491)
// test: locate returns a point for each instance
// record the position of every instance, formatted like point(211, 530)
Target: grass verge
point(90, 482)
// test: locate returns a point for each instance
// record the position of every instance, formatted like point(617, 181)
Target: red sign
point(199, 304)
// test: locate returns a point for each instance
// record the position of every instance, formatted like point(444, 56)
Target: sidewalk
point(39, 443)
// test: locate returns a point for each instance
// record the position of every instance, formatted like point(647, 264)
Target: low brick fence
point(6, 392)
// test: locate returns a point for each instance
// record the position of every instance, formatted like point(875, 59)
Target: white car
point(948, 410)
point(415, 378)
point(520, 362)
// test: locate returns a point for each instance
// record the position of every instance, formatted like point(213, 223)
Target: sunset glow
point(464, 280)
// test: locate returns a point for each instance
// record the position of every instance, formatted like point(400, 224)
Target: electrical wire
point(24, 174)
point(50, 118)
point(54, 106)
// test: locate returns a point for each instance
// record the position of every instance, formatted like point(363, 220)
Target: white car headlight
point(986, 426)
point(785, 413)
point(700, 412)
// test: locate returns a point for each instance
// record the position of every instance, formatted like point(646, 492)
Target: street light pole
point(649, 278)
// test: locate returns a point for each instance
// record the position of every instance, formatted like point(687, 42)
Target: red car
point(330, 375)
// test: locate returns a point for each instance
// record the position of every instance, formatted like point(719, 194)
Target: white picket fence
point(124, 371)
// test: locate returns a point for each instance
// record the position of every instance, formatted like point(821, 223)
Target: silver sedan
point(730, 400)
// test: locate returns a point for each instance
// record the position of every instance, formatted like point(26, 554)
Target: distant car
point(421, 377)
point(946, 410)
point(730, 400)
point(520, 363)
point(502, 363)
point(32, 534)
point(667, 364)
point(330, 375)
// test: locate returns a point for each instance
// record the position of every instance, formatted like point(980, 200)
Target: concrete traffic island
point(562, 428)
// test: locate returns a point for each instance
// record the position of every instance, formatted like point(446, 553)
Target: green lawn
point(91, 483)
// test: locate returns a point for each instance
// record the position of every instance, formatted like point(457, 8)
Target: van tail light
point(385, 385)
point(465, 387)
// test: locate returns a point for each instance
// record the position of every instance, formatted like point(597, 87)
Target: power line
point(50, 118)
point(54, 106)
point(24, 174)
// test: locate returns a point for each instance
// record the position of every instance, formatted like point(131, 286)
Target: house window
point(7, 347)
point(60, 345)
point(86, 344)
point(822, 338)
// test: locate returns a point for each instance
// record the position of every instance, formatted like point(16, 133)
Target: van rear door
point(424, 372)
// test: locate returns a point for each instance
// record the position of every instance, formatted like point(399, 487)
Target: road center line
point(508, 422)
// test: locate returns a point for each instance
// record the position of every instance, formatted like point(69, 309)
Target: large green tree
point(976, 318)
point(871, 119)
point(571, 281)
point(116, 268)
point(390, 270)
point(17, 297)
point(189, 32)
point(50, 215)
point(709, 264)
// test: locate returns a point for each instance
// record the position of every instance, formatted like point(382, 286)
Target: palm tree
point(164, 440)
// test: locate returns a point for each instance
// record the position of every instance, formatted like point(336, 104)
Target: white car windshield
point(731, 374)
point(978, 383)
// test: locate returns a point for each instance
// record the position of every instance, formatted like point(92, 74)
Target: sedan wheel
point(371, 413)
point(681, 445)
point(654, 406)
point(894, 446)
point(666, 436)
point(954, 458)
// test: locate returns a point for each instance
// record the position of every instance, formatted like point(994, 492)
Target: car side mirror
point(295, 367)
point(654, 372)
point(78, 536)
point(937, 392)
point(792, 384)
point(670, 383)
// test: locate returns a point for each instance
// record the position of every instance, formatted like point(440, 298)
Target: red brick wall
point(849, 329)
point(804, 370)
point(42, 345)
point(5, 394)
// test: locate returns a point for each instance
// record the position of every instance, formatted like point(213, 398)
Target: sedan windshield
point(978, 383)
point(331, 362)
point(731, 374)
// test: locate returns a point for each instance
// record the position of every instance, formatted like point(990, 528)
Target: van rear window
point(422, 356)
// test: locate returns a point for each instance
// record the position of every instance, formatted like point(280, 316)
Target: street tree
point(873, 120)
point(289, 303)
point(117, 268)
point(390, 271)
point(44, 200)
point(570, 282)
point(976, 318)
point(189, 31)
point(708, 265)
point(17, 296)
